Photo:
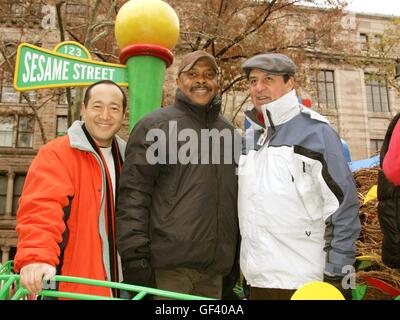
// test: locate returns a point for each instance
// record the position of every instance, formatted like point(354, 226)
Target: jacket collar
point(281, 110)
point(203, 114)
point(78, 140)
point(276, 112)
point(252, 117)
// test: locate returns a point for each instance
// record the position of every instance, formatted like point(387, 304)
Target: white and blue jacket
point(298, 206)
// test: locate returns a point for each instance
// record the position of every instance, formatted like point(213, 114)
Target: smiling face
point(265, 87)
point(104, 113)
point(200, 83)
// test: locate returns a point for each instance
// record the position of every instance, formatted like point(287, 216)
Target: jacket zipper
point(217, 227)
point(217, 180)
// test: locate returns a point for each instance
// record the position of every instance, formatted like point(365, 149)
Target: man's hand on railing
point(33, 274)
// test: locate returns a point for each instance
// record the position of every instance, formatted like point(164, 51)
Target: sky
point(387, 7)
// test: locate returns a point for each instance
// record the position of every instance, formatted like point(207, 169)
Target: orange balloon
point(147, 22)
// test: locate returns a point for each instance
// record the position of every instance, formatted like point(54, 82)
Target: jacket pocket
point(302, 176)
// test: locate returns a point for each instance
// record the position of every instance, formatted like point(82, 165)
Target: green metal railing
point(11, 289)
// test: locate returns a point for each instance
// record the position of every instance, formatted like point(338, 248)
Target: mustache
point(200, 87)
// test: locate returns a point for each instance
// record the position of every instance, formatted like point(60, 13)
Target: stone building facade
point(358, 107)
point(361, 105)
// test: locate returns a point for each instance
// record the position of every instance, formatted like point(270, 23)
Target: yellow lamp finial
point(147, 22)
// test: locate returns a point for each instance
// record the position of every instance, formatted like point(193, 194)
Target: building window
point(17, 8)
point(6, 131)
point(17, 131)
point(25, 131)
point(8, 93)
point(310, 37)
point(375, 146)
point(31, 95)
point(378, 42)
point(377, 94)
point(363, 42)
point(76, 10)
point(19, 181)
point(62, 125)
point(324, 85)
point(3, 192)
point(23, 13)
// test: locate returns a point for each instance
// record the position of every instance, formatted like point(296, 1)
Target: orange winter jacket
point(60, 220)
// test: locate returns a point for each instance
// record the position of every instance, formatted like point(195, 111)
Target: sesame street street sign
point(68, 65)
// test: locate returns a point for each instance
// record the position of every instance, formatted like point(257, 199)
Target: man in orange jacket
point(65, 220)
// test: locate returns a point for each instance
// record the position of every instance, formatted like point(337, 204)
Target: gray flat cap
point(273, 63)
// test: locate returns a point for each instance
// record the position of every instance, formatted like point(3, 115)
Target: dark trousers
point(188, 281)
point(270, 293)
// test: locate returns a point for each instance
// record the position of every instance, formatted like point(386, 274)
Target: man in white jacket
point(298, 206)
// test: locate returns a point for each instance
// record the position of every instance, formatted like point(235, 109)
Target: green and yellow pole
point(146, 31)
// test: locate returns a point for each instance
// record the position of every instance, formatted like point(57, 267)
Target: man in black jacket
point(176, 223)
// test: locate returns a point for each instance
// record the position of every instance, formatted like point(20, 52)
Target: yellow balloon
point(147, 22)
point(317, 290)
point(372, 194)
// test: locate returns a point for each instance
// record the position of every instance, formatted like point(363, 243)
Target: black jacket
point(389, 208)
point(178, 215)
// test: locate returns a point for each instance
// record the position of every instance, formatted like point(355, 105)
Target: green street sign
point(72, 48)
point(68, 65)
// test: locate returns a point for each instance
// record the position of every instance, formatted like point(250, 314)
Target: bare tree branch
point(240, 107)
point(231, 84)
